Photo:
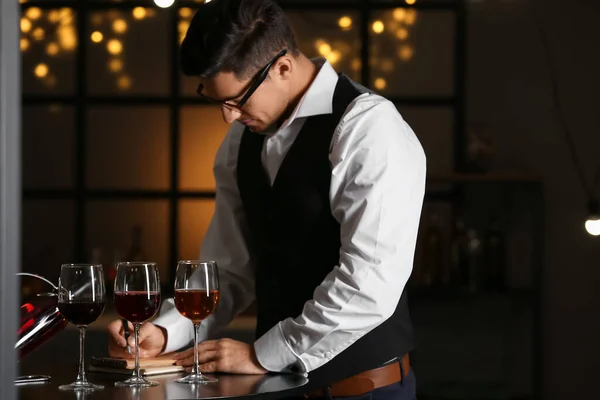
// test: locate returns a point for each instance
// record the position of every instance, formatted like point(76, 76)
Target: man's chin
point(256, 128)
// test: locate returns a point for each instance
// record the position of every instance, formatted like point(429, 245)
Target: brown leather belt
point(366, 381)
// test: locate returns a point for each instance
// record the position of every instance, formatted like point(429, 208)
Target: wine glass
point(196, 297)
point(81, 299)
point(137, 299)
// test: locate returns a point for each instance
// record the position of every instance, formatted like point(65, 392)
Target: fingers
point(119, 352)
point(186, 358)
point(115, 333)
point(209, 367)
point(184, 354)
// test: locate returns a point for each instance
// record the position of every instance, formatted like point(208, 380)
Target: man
point(320, 185)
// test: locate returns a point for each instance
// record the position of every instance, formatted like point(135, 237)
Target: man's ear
point(283, 68)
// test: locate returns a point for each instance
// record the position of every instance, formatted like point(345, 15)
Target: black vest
point(296, 240)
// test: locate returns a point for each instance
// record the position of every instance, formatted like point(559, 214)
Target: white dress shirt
point(376, 194)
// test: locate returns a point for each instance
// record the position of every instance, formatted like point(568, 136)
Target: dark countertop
point(59, 356)
point(259, 387)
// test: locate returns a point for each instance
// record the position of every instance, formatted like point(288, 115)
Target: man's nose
point(230, 115)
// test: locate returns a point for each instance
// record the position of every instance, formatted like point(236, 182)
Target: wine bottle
point(495, 252)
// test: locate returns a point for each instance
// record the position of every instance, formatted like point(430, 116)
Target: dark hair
point(239, 36)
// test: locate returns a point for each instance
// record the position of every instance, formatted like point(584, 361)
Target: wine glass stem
point(81, 374)
point(196, 369)
point(136, 328)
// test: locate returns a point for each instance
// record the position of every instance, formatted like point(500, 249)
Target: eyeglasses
point(258, 80)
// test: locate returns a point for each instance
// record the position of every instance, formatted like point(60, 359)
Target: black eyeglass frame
point(258, 80)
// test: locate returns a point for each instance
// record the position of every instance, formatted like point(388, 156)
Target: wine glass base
point(196, 379)
point(136, 382)
point(81, 385)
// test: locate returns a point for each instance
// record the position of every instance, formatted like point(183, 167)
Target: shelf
point(492, 177)
point(432, 295)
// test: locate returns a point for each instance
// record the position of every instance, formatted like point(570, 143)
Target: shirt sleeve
point(376, 194)
point(224, 242)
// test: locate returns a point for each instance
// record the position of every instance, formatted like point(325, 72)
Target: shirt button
point(328, 355)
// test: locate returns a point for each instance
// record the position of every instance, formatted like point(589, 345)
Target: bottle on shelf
point(494, 256)
point(475, 261)
point(433, 267)
point(459, 255)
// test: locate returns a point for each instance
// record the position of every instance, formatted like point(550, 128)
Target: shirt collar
point(318, 98)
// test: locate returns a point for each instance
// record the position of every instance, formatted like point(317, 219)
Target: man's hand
point(223, 355)
point(152, 340)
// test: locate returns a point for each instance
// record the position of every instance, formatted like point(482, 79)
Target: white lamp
point(164, 3)
point(592, 225)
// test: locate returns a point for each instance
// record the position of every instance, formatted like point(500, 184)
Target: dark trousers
point(404, 390)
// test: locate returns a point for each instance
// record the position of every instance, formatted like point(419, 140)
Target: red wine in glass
point(137, 299)
point(196, 297)
point(81, 297)
point(196, 304)
point(81, 312)
point(137, 306)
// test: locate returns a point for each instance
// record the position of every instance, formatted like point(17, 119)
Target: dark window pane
point(128, 52)
point(48, 236)
point(202, 131)
point(128, 148)
point(48, 45)
point(110, 225)
point(188, 83)
point(194, 218)
point(412, 52)
point(434, 128)
point(48, 146)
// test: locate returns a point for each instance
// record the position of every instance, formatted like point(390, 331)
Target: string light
point(410, 17)
point(52, 49)
point(333, 57)
point(24, 44)
point(97, 36)
point(124, 82)
point(410, 2)
point(380, 83)
point(53, 16)
point(41, 70)
point(324, 49)
point(119, 26)
point(25, 25)
point(66, 16)
point(399, 14)
point(115, 65)
point(139, 13)
point(67, 37)
point(402, 33)
point(406, 53)
point(114, 47)
point(183, 26)
point(378, 27)
point(345, 22)
point(185, 12)
point(38, 33)
point(33, 13)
